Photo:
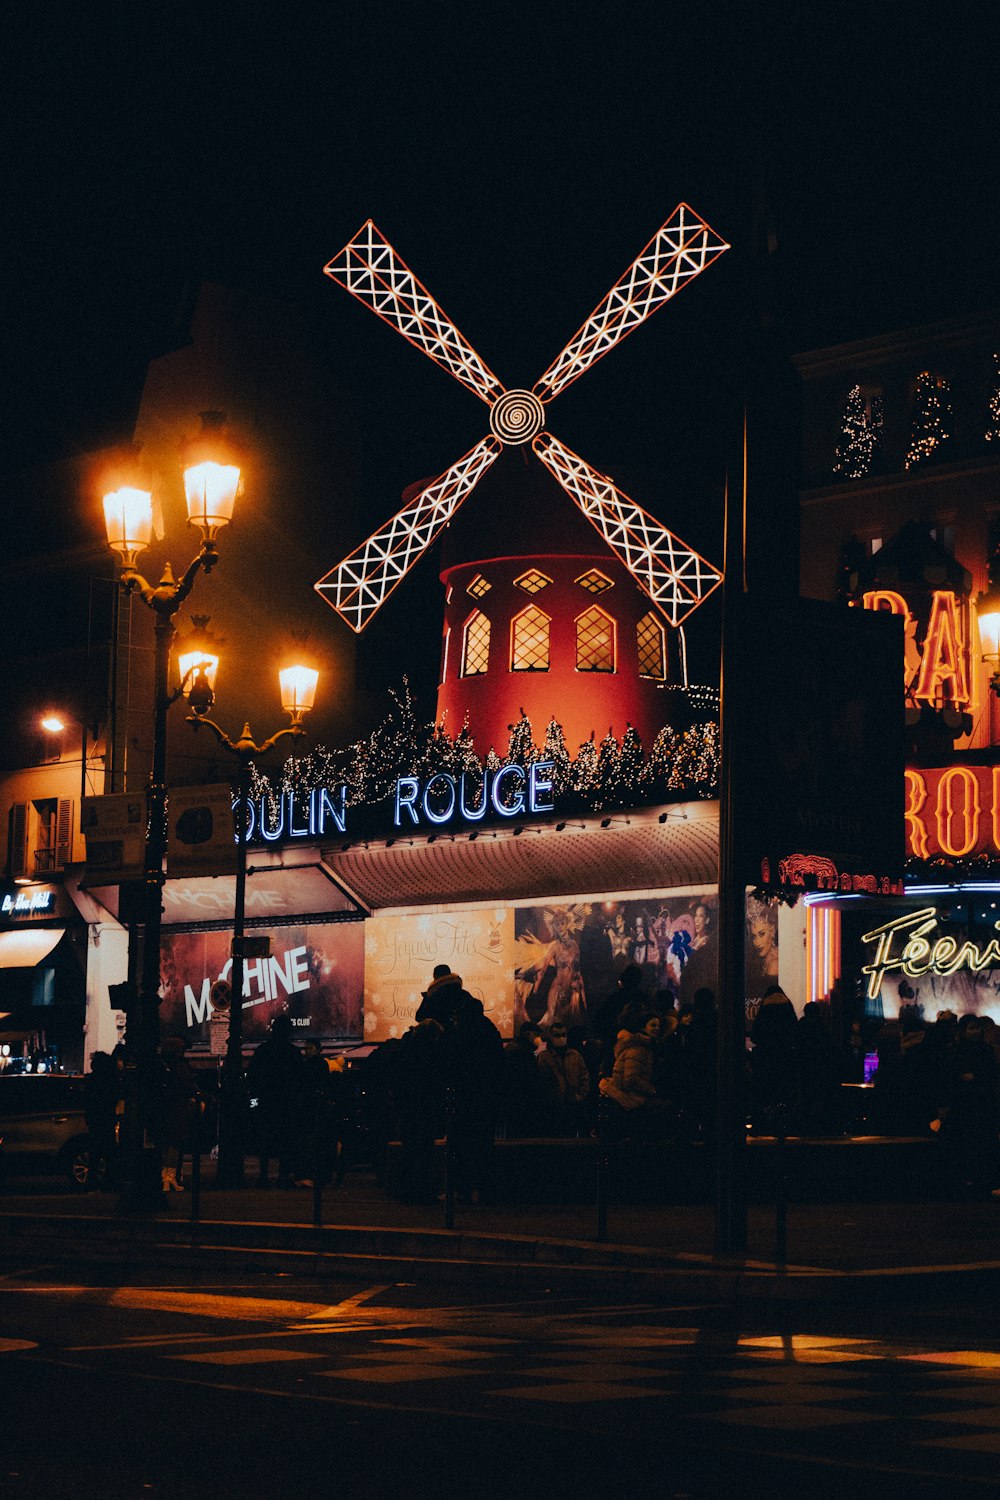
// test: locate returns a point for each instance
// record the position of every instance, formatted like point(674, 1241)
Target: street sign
point(115, 829)
point(202, 838)
point(258, 946)
point(218, 1033)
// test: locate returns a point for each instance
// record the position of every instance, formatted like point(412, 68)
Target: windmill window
point(529, 641)
point(444, 655)
point(532, 582)
point(476, 646)
point(652, 646)
point(479, 586)
point(595, 641)
point(594, 581)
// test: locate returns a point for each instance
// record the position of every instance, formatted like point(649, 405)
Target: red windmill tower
point(562, 625)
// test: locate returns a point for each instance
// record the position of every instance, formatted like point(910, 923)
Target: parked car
point(43, 1130)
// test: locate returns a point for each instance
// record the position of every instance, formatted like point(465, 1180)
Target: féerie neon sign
point(509, 792)
point(918, 955)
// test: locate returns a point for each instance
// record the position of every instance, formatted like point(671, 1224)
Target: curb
point(462, 1258)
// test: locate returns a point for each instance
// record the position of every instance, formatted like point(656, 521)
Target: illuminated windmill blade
point(360, 585)
point(675, 577)
point(675, 255)
point(371, 270)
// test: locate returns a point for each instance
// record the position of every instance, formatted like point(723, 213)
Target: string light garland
point(992, 433)
point(861, 435)
point(599, 777)
point(932, 418)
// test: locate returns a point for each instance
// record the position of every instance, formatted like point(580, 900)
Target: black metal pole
point(780, 1188)
point(232, 1154)
point(196, 1176)
point(142, 1187)
point(730, 1144)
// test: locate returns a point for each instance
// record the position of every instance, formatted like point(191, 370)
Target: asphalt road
point(276, 1387)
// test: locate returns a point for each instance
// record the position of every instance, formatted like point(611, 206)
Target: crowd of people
point(942, 1078)
point(650, 1062)
point(644, 1068)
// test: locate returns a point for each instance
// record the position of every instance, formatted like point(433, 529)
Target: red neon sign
point(937, 668)
point(954, 811)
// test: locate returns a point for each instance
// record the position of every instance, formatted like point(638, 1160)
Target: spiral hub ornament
point(517, 417)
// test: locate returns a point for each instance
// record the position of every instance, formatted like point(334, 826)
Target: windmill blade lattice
point(371, 270)
point(678, 252)
point(672, 574)
point(360, 585)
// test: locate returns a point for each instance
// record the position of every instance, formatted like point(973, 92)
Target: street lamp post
point(298, 694)
point(210, 491)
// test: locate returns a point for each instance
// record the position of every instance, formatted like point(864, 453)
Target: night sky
point(518, 158)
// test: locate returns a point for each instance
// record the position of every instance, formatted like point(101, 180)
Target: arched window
point(652, 644)
point(529, 641)
point(595, 641)
point(476, 645)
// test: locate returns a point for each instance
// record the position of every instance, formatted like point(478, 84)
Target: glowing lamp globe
point(988, 615)
point(128, 520)
point(298, 690)
point(195, 664)
point(210, 491)
point(211, 478)
point(52, 724)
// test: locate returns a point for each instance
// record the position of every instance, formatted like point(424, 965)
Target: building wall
point(585, 702)
point(956, 494)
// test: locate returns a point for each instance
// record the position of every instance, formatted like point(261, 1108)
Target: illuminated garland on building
point(932, 418)
point(992, 433)
point(680, 764)
point(861, 435)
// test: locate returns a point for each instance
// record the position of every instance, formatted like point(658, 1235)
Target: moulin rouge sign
point(508, 793)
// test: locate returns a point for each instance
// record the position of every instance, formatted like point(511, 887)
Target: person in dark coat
point(773, 1075)
point(565, 1083)
point(276, 1081)
point(473, 1060)
point(608, 1017)
point(102, 1095)
point(178, 1110)
point(418, 1092)
point(318, 1148)
point(970, 1116)
point(521, 1084)
point(818, 1071)
point(440, 998)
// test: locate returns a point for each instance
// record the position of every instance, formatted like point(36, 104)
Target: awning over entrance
point(275, 893)
point(24, 949)
point(652, 849)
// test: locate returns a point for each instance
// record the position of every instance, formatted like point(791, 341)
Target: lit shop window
point(652, 645)
point(595, 641)
point(479, 586)
point(476, 646)
point(594, 581)
point(529, 641)
point(532, 582)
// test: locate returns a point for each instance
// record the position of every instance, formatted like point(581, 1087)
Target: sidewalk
point(874, 1248)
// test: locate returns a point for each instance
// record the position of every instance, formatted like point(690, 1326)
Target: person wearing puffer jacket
point(631, 1081)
